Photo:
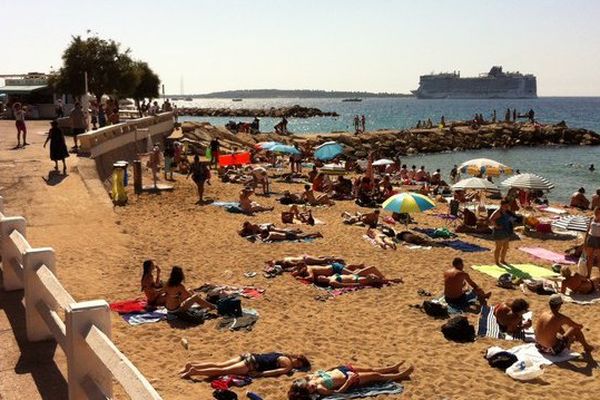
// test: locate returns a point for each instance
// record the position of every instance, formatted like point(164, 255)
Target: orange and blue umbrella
point(408, 203)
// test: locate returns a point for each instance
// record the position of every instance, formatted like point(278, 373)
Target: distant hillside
point(276, 93)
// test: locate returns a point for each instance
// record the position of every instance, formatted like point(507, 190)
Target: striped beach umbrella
point(576, 223)
point(528, 181)
point(408, 203)
point(484, 166)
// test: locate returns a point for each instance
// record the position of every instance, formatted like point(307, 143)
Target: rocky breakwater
point(456, 137)
point(295, 111)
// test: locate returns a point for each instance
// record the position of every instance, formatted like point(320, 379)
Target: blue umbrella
point(328, 151)
point(285, 149)
point(266, 145)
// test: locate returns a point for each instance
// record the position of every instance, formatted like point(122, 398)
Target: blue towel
point(464, 246)
point(368, 391)
point(234, 209)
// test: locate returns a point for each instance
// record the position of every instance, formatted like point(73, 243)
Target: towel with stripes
point(488, 326)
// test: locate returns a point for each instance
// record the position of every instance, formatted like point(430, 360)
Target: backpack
point(230, 306)
point(502, 360)
point(435, 309)
point(458, 329)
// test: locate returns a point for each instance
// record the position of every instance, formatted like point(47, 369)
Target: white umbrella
point(383, 161)
point(573, 223)
point(528, 181)
point(474, 184)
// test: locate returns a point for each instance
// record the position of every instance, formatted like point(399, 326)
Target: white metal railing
point(82, 329)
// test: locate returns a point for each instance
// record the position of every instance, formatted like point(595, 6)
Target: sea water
point(566, 167)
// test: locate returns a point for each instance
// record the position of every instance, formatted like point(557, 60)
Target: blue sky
point(374, 45)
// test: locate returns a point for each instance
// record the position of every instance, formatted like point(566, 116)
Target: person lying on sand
point(249, 364)
point(295, 262)
point(381, 239)
point(247, 205)
point(303, 217)
point(343, 378)
point(177, 297)
point(579, 284)
point(353, 280)
point(270, 233)
point(151, 286)
point(370, 219)
point(455, 285)
point(510, 316)
point(550, 336)
point(291, 198)
point(414, 238)
point(312, 272)
point(309, 197)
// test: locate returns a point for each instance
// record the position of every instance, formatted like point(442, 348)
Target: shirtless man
point(578, 200)
point(370, 219)
point(550, 336)
point(259, 175)
point(247, 205)
point(309, 197)
point(455, 280)
point(510, 316)
point(577, 283)
point(596, 200)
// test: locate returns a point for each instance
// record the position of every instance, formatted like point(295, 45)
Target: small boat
point(236, 99)
point(355, 99)
point(188, 99)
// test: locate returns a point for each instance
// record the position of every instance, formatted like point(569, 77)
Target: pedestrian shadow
point(54, 178)
point(584, 365)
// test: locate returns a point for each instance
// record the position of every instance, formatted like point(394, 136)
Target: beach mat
point(530, 352)
point(463, 246)
point(129, 306)
point(548, 255)
point(367, 391)
point(488, 326)
point(245, 322)
point(524, 271)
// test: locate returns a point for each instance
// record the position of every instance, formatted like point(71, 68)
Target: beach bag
point(229, 306)
point(525, 370)
point(502, 360)
point(224, 395)
point(505, 281)
point(458, 329)
point(435, 309)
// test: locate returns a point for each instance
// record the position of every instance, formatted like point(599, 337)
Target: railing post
point(137, 176)
point(33, 259)
point(1, 204)
point(7, 225)
point(81, 363)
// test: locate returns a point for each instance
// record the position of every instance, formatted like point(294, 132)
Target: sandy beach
point(100, 251)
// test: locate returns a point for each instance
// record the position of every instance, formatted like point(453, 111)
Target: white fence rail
point(82, 329)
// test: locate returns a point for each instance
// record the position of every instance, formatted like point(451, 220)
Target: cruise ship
point(495, 84)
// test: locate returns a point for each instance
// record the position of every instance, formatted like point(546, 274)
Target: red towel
point(129, 306)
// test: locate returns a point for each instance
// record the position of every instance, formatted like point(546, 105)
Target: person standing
point(200, 175)
point(94, 115)
point(592, 242)
point(154, 164)
point(78, 123)
point(502, 219)
point(19, 113)
point(363, 122)
point(101, 116)
point(356, 124)
point(58, 147)
point(60, 111)
point(215, 146)
point(169, 155)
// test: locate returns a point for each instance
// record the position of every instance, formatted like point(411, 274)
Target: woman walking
point(19, 113)
point(200, 174)
point(58, 147)
point(502, 219)
point(592, 242)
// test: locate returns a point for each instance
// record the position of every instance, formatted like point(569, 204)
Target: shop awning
point(21, 89)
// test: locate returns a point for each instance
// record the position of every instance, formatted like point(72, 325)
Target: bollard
point(119, 194)
point(137, 176)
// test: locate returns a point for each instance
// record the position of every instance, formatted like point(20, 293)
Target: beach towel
point(417, 247)
point(227, 381)
point(225, 204)
point(249, 292)
point(454, 309)
point(437, 233)
point(524, 271)
point(548, 255)
point(553, 210)
point(488, 326)
point(465, 247)
point(256, 238)
point(367, 391)
point(129, 306)
point(245, 322)
point(530, 352)
point(149, 317)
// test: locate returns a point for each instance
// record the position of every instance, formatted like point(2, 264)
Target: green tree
point(147, 83)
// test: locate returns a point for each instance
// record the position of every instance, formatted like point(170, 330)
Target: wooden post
point(33, 259)
point(137, 176)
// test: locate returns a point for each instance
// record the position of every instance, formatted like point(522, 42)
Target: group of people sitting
point(554, 331)
point(578, 200)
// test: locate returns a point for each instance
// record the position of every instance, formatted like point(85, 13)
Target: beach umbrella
point(528, 181)
point(383, 161)
point(474, 184)
point(285, 149)
point(484, 166)
point(266, 145)
point(408, 202)
point(328, 151)
point(573, 223)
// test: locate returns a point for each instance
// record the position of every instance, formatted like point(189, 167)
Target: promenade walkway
point(74, 217)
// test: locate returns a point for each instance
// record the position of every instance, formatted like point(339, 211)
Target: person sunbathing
point(312, 272)
point(455, 283)
point(578, 284)
point(270, 233)
point(247, 205)
point(296, 262)
point(343, 378)
point(510, 316)
point(353, 280)
point(303, 217)
point(151, 286)
point(550, 336)
point(370, 219)
point(381, 239)
point(291, 198)
point(309, 197)
point(177, 297)
point(250, 364)
point(416, 239)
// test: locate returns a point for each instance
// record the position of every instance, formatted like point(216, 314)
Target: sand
point(102, 258)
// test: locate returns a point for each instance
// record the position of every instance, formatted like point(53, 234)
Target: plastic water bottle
point(253, 396)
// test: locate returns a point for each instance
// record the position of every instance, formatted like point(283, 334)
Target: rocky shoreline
point(295, 111)
point(457, 136)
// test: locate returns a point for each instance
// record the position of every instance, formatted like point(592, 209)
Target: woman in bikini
point(353, 280)
point(344, 378)
point(381, 239)
point(178, 298)
point(312, 272)
point(296, 262)
point(151, 286)
point(249, 364)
